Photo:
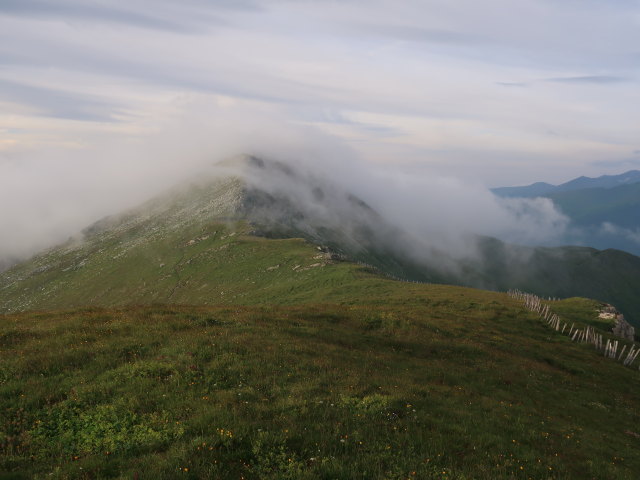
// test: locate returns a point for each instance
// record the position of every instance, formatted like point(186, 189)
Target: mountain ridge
point(545, 189)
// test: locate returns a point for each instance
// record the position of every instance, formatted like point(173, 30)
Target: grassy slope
point(428, 382)
point(205, 263)
point(197, 265)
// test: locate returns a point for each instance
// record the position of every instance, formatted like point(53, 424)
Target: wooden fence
point(583, 335)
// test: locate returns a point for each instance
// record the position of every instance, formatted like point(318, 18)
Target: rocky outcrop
point(329, 255)
point(621, 328)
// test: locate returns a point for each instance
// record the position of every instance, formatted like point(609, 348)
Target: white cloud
point(626, 233)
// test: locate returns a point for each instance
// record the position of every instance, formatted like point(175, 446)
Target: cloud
point(55, 193)
point(626, 233)
point(59, 103)
point(66, 192)
point(421, 34)
point(513, 84)
point(159, 16)
point(589, 79)
point(617, 163)
point(447, 211)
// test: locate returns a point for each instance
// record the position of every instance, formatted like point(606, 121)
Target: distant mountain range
point(231, 239)
point(542, 189)
point(604, 211)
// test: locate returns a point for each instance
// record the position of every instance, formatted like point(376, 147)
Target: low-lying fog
point(53, 195)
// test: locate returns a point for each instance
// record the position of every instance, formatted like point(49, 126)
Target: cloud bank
point(52, 197)
point(104, 104)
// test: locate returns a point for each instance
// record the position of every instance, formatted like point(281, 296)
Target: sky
point(102, 101)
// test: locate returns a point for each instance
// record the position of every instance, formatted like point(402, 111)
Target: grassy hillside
point(198, 265)
point(203, 261)
point(427, 382)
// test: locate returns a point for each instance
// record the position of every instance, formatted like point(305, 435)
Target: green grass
point(427, 382)
point(199, 265)
point(583, 311)
point(206, 264)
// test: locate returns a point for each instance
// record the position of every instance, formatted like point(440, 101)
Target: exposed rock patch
point(621, 328)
